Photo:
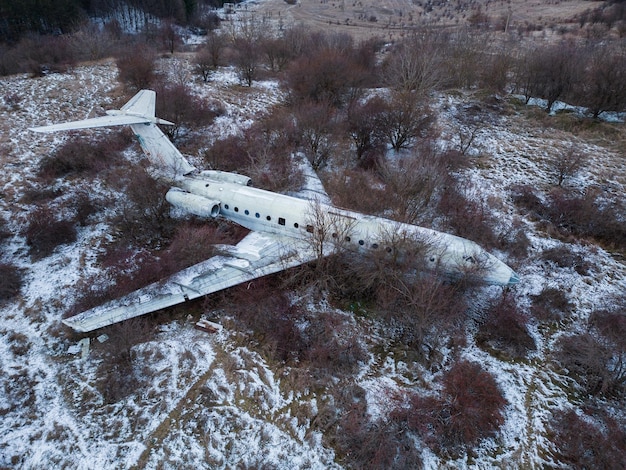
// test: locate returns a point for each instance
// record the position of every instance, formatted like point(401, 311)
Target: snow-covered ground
point(209, 401)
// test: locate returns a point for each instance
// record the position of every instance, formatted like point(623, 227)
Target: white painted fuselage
point(265, 211)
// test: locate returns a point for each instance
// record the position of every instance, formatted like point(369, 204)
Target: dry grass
point(392, 18)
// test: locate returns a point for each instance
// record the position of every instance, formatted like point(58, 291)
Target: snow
point(211, 401)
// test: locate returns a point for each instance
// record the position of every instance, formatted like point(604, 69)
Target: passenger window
point(247, 212)
point(309, 228)
point(236, 209)
point(268, 217)
point(257, 215)
point(295, 225)
point(361, 242)
point(375, 245)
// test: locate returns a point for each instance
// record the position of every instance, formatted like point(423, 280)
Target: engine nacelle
point(227, 177)
point(197, 205)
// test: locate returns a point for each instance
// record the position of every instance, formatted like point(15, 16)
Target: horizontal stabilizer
point(104, 121)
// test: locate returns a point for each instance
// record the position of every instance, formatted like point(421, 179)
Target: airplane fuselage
point(327, 226)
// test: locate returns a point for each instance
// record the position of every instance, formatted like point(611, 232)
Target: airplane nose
point(514, 279)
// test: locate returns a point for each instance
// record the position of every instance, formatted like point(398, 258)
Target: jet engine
point(227, 177)
point(192, 203)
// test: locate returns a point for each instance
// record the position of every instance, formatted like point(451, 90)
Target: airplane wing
point(255, 256)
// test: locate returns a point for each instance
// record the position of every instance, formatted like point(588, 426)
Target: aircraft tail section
point(139, 114)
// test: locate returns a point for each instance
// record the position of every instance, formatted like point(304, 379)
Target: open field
point(392, 18)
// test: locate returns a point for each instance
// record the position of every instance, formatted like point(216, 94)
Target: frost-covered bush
point(505, 329)
point(44, 232)
point(550, 304)
point(596, 357)
point(593, 439)
point(469, 408)
point(10, 282)
point(80, 156)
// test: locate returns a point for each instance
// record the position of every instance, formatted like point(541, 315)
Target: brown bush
point(382, 445)
point(177, 104)
point(591, 439)
point(331, 344)
point(357, 190)
point(564, 257)
point(469, 409)
point(594, 362)
point(44, 233)
point(10, 282)
point(327, 74)
point(136, 66)
point(315, 126)
point(591, 214)
point(551, 304)
point(505, 329)
point(79, 156)
point(145, 215)
point(467, 217)
point(362, 126)
point(264, 154)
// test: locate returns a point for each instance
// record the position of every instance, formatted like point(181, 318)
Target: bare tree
point(363, 126)
point(553, 71)
point(406, 118)
point(316, 124)
point(603, 87)
point(209, 56)
point(568, 164)
point(415, 64)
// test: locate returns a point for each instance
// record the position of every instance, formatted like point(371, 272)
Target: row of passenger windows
point(309, 228)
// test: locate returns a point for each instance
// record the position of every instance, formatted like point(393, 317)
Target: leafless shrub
point(469, 409)
point(362, 125)
point(117, 377)
point(505, 329)
point(465, 53)
point(145, 217)
point(328, 74)
point(78, 156)
point(594, 362)
point(603, 87)
point(194, 242)
point(550, 304)
point(591, 439)
point(264, 153)
point(136, 66)
point(44, 233)
point(581, 215)
point(209, 55)
point(550, 72)
point(177, 104)
point(406, 118)
point(568, 164)
point(10, 282)
point(468, 217)
point(363, 443)
point(331, 345)
point(415, 64)
point(413, 182)
point(36, 195)
point(316, 123)
point(565, 257)
point(358, 190)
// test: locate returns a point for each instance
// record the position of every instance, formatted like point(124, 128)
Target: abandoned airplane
point(282, 227)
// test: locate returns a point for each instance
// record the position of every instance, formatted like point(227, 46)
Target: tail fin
point(139, 113)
